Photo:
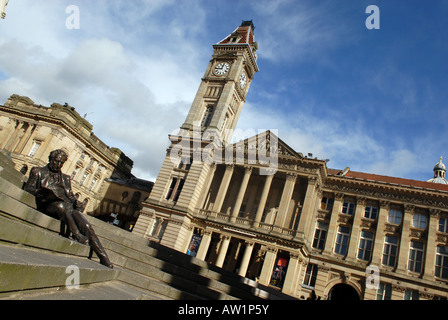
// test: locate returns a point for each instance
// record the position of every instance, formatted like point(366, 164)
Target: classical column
point(8, 146)
point(379, 234)
point(354, 239)
point(268, 265)
point(431, 246)
point(223, 188)
point(246, 259)
point(403, 252)
point(207, 185)
point(263, 199)
point(308, 205)
point(204, 245)
point(241, 192)
point(337, 206)
point(285, 200)
point(225, 241)
point(290, 282)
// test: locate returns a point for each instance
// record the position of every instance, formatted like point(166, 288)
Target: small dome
point(439, 173)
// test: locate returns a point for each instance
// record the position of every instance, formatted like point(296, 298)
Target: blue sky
point(373, 100)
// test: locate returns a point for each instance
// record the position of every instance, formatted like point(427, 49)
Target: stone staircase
point(36, 262)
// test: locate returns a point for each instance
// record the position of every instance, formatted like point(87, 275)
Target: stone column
point(403, 252)
point(223, 188)
point(289, 286)
point(206, 187)
point(246, 258)
point(225, 241)
point(263, 199)
point(268, 265)
point(285, 199)
point(308, 205)
point(379, 235)
point(431, 246)
point(241, 192)
point(355, 234)
point(337, 206)
point(204, 245)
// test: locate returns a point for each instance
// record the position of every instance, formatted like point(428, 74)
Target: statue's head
point(57, 159)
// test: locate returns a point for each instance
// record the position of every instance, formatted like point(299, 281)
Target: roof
point(387, 179)
point(244, 34)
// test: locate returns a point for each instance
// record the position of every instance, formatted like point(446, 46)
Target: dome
point(439, 173)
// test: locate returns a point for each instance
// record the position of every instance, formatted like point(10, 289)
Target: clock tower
point(179, 188)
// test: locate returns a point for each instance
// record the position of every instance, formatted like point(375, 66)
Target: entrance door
point(343, 292)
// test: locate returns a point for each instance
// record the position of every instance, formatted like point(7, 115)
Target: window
point(416, 256)
point(419, 221)
point(371, 212)
point(185, 163)
point(207, 117)
point(348, 207)
point(175, 189)
point(443, 225)
point(394, 216)
point(74, 173)
point(320, 235)
point(342, 239)
point(310, 275)
point(411, 294)
point(365, 245)
point(327, 203)
point(384, 291)
point(92, 184)
point(390, 250)
point(84, 178)
point(441, 270)
point(34, 148)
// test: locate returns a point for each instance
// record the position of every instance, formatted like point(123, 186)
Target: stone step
point(7, 170)
point(29, 269)
point(111, 290)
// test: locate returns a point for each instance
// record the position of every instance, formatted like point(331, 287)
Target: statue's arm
point(31, 184)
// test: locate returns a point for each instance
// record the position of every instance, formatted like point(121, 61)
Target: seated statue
point(54, 197)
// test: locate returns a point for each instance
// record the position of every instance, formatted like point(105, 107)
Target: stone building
point(267, 212)
point(29, 132)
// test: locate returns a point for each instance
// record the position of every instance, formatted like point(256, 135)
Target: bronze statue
point(54, 197)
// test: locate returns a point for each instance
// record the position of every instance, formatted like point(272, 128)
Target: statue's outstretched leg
point(86, 229)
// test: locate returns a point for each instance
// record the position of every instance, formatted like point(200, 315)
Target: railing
point(245, 223)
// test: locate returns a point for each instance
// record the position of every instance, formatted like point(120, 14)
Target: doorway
point(343, 292)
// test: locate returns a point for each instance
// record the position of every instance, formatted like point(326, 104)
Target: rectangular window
point(207, 117)
point(394, 216)
point(348, 207)
point(320, 235)
point(34, 148)
point(342, 239)
point(390, 250)
point(443, 225)
point(327, 203)
point(310, 275)
point(371, 212)
point(384, 291)
point(84, 178)
point(416, 256)
point(171, 189)
point(178, 190)
point(411, 294)
point(441, 270)
point(419, 221)
point(365, 245)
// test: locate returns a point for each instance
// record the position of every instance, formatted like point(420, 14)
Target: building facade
point(262, 210)
point(29, 132)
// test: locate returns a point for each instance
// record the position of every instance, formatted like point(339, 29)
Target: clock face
point(243, 80)
point(222, 68)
